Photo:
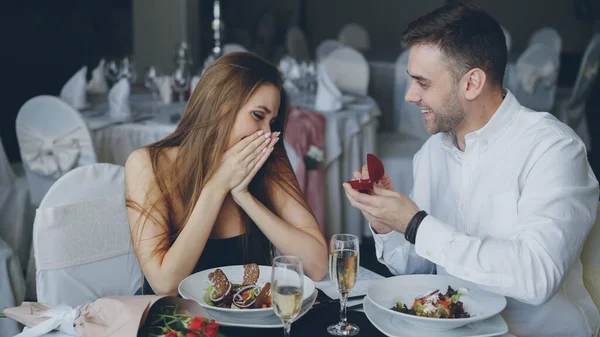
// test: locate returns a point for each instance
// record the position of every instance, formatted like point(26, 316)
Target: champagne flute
point(287, 288)
point(343, 270)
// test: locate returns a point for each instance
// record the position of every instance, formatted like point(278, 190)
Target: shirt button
point(462, 206)
point(428, 252)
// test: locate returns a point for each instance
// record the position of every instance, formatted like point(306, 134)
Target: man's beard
point(451, 116)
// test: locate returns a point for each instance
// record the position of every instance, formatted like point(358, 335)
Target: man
point(506, 193)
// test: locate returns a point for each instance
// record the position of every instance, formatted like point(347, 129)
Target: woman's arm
point(290, 227)
point(165, 270)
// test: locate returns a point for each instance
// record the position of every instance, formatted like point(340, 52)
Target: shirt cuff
point(386, 241)
point(432, 237)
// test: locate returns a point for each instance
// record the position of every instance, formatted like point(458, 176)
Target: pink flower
point(196, 324)
point(189, 334)
point(211, 329)
point(171, 334)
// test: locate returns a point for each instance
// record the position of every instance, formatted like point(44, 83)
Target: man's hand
point(386, 210)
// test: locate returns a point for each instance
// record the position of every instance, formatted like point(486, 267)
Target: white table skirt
point(12, 287)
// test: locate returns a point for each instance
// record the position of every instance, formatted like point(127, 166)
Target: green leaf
point(399, 305)
point(455, 297)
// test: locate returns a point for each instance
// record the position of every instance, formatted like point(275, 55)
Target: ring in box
point(376, 172)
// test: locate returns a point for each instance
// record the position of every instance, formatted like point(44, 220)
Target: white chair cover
point(535, 77)
point(355, 36)
point(349, 70)
point(547, 36)
point(12, 287)
point(397, 151)
point(327, 47)
point(329, 97)
point(572, 111)
point(81, 238)
point(296, 44)
point(15, 212)
point(233, 48)
point(53, 138)
point(73, 92)
point(507, 37)
point(408, 117)
point(590, 258)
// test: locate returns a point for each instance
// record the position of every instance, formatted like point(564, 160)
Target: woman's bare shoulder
point(139, 167)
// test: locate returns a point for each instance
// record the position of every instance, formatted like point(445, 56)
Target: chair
point(408, 117)
point(355, 36)
point(590, 258)
point(533, 79)
point(81, 238)
point(572, 110)
point(296, 44)
point(349, 70)
point(16, 213)
point(508, 38)
point(547, 36)
point(396, 149)
point(327, 47)
point(233, 48)
point(53, 139)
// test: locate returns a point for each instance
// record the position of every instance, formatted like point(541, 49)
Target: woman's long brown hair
point(202, 137)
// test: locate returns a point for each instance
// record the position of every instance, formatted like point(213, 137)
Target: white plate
point(194, 287)
point(269, 322)
point(478, 303)
point(394, 326)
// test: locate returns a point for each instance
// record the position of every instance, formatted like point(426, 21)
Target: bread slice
point(220, 282)
point(262, 297)
point(251, 274)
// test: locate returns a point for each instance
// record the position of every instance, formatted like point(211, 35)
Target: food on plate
point(248, 295)
point(221, 284)
point(251, 273)
point(434, 304)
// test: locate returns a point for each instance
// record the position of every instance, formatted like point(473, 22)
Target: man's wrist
point(413, 226)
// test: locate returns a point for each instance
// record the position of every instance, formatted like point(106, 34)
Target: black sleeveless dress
point(220, 253)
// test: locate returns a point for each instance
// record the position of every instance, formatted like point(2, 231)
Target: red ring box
point(376, 172)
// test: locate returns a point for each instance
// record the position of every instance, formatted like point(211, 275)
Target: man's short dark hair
point(467, 36)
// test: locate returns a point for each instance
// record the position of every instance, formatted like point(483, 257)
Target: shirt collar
point(501, 119)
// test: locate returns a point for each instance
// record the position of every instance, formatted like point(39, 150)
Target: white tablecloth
point(12, 287)
point(350, 135)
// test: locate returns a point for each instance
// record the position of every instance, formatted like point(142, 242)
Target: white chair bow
point(73, 92)
point(50, 156)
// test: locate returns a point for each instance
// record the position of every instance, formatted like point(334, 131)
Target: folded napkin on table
point(97, 84)
point(118, 100)
point(73, 92)
point(164, 88)
point(194, 82)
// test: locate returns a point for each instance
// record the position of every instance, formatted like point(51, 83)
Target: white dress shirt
point(510, 214)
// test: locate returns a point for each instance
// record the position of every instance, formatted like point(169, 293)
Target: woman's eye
point(257, 115)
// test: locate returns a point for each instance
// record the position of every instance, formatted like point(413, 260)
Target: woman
point(220, 190)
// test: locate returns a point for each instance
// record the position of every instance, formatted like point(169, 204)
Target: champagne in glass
point(343, 271)
point(287, 287)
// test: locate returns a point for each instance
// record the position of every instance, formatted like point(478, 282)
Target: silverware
point(319, 304)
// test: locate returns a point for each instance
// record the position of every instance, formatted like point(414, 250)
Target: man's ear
point(475, 80)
